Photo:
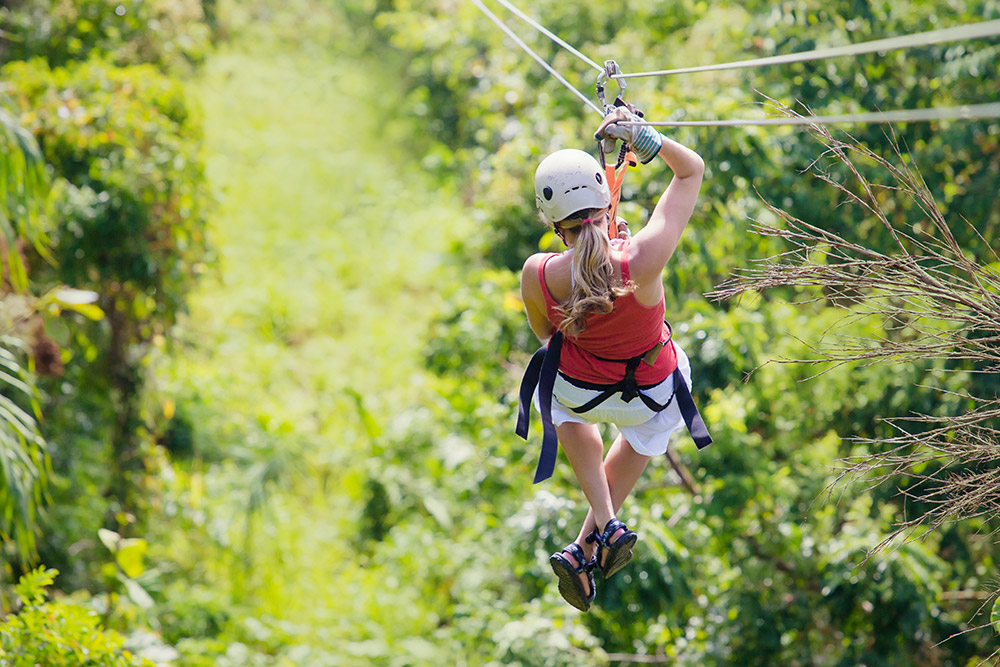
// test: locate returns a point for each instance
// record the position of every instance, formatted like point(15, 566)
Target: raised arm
point(655, 243)
point(653, 246)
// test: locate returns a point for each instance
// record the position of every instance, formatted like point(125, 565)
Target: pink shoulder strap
point(625, 273)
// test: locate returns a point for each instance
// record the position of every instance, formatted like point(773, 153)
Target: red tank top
point(630, 329)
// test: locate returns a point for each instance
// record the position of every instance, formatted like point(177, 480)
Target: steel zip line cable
point(963, 32)
point(965, 112)
point(548, 33)
point(527, 49)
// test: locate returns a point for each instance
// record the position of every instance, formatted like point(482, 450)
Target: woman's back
point(630, 329)
point(559, 281)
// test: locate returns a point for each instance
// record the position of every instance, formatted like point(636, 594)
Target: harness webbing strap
point(689, 411)
point(628, 386)
point(615, 180)
point(611, 390)
point(541, 373)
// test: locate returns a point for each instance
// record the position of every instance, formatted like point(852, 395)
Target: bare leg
point(585, 451)
point(622, 469)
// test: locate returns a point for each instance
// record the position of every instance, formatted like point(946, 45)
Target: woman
point(599, 306)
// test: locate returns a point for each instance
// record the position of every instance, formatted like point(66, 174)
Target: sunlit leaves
point(129, 200)
point(59, 633)
point(128, 552)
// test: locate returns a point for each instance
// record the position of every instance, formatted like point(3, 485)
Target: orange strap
point(615, 180)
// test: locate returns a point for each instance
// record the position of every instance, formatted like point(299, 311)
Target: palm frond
point(23, 469)
point(24, 189)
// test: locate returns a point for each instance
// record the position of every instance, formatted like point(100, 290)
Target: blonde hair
point(594, 287)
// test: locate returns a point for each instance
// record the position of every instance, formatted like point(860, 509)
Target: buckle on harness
point(650, 357)
point(630, 387)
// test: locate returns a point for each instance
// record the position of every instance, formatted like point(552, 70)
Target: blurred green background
point(262, 335)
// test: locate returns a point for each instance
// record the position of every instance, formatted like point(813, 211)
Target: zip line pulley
point(615, 174)
point(610, 71)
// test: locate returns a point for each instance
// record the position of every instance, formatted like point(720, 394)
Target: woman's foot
point(602, 555)
point(614, 549)
point(576, 576)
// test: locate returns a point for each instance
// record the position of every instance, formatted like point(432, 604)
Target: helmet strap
point(560, 234)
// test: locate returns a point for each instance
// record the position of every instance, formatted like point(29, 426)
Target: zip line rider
point(599, 307)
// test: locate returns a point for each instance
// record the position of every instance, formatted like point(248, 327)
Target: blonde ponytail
point(594, 286)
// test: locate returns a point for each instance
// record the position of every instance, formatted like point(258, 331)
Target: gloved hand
point(644, 141)
point(622, 227)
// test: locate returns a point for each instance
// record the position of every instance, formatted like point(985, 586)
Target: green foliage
point(23, 463)
point(168, 33)
point(24, 466)
point(483, 327)
point(179, 437)
point(995, 615)
point(337, 481)
point(131, 208)
point(58, 633)
point(87, 94)
point(22, 198)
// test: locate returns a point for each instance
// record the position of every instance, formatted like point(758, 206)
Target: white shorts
point(646, 430)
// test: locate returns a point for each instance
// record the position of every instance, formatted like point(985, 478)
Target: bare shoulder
point(533, 262)
point(529, 274)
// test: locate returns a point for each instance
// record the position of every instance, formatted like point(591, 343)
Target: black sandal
point(570, 586)
point(619, 553)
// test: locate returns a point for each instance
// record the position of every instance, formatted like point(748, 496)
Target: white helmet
point(568, 181)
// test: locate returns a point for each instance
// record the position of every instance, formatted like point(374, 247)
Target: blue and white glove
point(644, 141)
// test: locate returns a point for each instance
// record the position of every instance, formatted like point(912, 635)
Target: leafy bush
point(129, 202)
point(131, 197)
point(58, 633)
point(165, 32)
point(484, 324)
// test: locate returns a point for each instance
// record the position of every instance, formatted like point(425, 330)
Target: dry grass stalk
point(934, 301)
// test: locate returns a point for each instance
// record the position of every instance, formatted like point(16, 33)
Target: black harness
point(541, 373)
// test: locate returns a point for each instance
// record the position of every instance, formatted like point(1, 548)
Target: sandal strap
point(574, 550)
point(613, 526)
point(593, 537)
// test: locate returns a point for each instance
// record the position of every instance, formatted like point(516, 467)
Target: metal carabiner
point(611, 69)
